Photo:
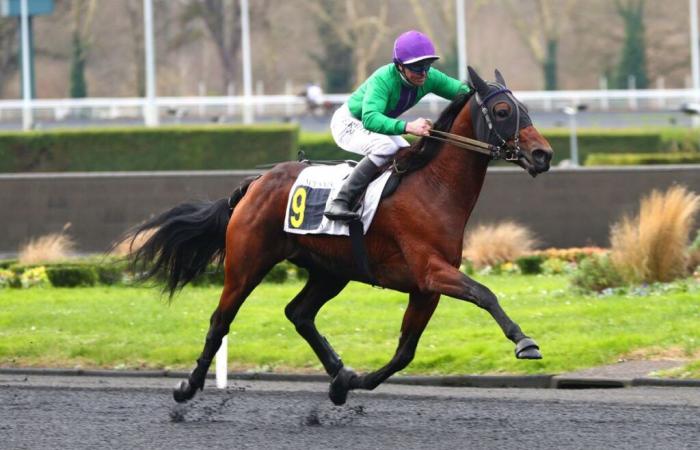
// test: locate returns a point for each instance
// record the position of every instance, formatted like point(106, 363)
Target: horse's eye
point(502, 113)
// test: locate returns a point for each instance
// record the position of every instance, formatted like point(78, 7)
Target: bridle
point(503, 150)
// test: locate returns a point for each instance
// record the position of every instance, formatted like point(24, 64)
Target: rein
point(492, 151)
point(495, 152)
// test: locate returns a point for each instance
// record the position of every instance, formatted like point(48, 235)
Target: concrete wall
point(564, 207)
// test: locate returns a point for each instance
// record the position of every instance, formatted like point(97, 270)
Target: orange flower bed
point(573, 254)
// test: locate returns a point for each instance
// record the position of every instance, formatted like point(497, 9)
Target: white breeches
point(351, 136)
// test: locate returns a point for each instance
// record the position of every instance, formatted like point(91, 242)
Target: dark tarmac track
point(47, 412)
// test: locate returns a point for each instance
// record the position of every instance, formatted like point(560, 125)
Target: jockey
point(367, 123)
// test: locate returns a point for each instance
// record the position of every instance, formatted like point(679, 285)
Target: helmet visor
point(419, 67)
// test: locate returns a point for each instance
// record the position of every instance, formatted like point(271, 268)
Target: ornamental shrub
point(596, 274)
point(556, 266)
point(653, 245)
point(48, 248)
point(6, 263)
point(530, 265)
point(72, 275)
point(278, 274)
point(6, 278)
point(466, 267)
point(492, 245)
point(32, 277)
point(639, 159)
point(195, 147)
point(111, 273)
point(694, 254)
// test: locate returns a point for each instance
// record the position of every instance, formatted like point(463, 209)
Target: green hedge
point(321, 145)
point(634, 159)
point(116, 271)
point(72, 275)
point(206, 147)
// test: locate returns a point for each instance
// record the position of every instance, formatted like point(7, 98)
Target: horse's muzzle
point(541, 159)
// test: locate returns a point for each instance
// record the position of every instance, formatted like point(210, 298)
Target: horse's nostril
point(541, 157)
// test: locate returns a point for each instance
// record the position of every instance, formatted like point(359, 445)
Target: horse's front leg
point(443, 278)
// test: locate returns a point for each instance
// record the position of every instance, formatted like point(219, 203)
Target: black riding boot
point(341, 207)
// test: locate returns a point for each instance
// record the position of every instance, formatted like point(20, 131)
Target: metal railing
point(292, 105)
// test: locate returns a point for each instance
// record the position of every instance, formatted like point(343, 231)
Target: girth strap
point(359, 251)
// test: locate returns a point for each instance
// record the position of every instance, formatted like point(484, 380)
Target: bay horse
point(414, 244)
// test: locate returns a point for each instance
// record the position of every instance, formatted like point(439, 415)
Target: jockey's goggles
point(419, 67)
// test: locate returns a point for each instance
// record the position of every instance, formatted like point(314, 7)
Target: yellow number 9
point(298, 206)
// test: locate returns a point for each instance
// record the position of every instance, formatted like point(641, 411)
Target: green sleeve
point(445, 86)
point(373, 106)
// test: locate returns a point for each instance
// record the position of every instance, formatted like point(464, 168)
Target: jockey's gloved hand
point(419, 127)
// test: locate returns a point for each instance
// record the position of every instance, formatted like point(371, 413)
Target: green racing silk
point(385, 95)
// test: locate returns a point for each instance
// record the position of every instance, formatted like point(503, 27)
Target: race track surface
point(47, 412)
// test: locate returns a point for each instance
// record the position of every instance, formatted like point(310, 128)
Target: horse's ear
point(481, 87)
point(499, 78)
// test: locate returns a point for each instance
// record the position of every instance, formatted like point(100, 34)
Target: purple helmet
point(413, 46)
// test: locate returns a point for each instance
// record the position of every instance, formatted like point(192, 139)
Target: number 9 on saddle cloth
point(317, 185)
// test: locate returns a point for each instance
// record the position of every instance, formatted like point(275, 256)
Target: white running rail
point(99, 108)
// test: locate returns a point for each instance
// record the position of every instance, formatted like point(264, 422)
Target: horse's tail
point(181, 242)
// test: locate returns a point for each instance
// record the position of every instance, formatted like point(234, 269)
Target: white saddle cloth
point(317, 185)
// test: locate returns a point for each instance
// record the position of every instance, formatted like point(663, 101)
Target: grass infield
point(136, 328)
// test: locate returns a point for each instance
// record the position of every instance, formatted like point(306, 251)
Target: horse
point(414, 244)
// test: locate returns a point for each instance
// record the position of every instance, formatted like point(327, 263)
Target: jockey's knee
point(378, 160)
point(381, 152)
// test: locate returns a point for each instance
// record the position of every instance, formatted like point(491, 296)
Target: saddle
point(406, 160)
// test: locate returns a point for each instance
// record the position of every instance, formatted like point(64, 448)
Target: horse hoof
point(183, 392)
point(527, 349)
point(338, 391)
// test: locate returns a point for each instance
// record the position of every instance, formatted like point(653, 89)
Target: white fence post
point(222, 364)
point(661, 100)
point(259, 92)
point(603, 85)
point(201, 91)
point(632, 86)
point(289, 91)
point(231, 91)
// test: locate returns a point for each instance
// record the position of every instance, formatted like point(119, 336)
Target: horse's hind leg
point(219, 323)
point(302, 312)
point(420, 310)
point(241, 277)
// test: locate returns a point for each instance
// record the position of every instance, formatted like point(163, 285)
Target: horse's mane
point(425, 149)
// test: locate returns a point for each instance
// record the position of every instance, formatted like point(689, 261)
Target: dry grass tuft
point(49, 248)
point(126, 247)
point(653, 246)
point(491, 245)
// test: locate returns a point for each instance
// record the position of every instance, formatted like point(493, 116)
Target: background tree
point(8, 50)
point(222, 21)
point(134, 14)
point(633, 58)
point(358, 34)
point(337, 71)
point(539, 24)
point(82, 15)
point(444, 35)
